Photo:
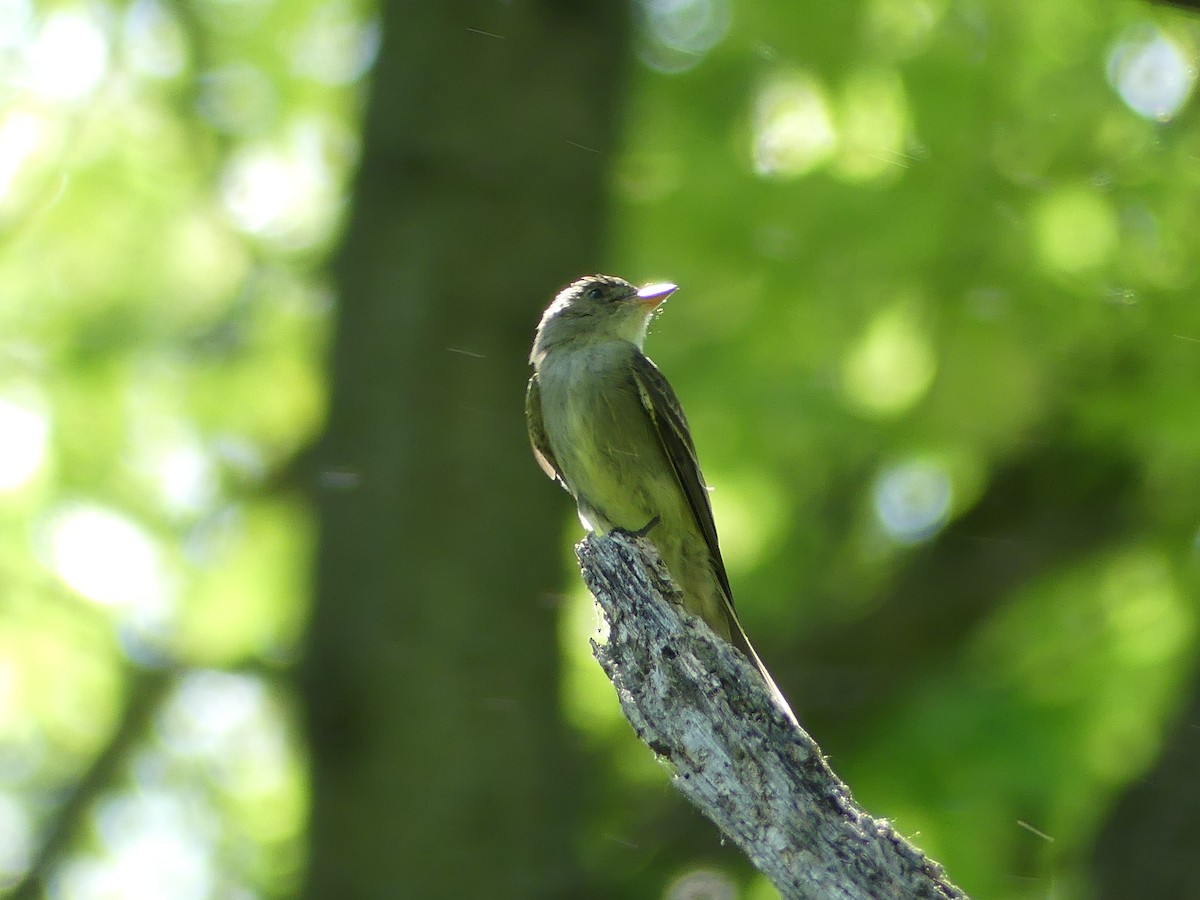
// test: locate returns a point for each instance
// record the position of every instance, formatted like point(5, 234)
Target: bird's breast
point(604, 440)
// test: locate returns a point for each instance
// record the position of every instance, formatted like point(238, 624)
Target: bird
point(605, 424)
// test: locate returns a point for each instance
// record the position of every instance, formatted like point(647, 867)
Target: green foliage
point(936, 288)
point(168, 175)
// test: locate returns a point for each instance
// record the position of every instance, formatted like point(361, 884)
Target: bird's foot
point(641, 532)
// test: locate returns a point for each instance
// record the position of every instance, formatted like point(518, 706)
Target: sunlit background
point(171, 177)
point(954, 229)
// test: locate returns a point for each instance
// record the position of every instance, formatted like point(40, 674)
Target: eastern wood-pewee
point(606, 425)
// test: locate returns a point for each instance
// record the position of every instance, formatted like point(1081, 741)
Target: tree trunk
point(440, 767)
point(1148, 846)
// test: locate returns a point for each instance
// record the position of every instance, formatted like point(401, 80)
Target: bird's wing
point(537, 432)
point(670, 425)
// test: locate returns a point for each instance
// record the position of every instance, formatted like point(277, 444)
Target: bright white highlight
point(154, 846)
point(229, 723)
point(285, 194)
point(21, 136)
point(23, 437)
point(107, 558)
point(1151, 73)
point(69, 56)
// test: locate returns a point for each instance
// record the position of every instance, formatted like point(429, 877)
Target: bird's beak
point(653, 294)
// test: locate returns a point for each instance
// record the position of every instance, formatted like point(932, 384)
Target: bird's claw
point(641, 532)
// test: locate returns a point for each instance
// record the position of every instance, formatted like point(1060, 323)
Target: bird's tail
point(738, 638)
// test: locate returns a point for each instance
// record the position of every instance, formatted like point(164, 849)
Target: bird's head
point(599, 307)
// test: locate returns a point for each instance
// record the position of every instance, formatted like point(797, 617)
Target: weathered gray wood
point(701, 706)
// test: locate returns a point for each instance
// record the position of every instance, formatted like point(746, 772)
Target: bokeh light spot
point(873, 126)
point(23, 435)
point(1151, 73)
point(153, 847)
point(285, 194)
point(238, 98)
point(22, 135)
point(1075, 229)
point(902, 28)
point(750, 513)
point(793, 127)
point(912, 500)
point(106, 557)
point(153, 41)
point(337, 46)
point(679, 33)
point(1147, 619)
point(16, 838)
point(702, 884)
point(892, 365)
point(230, 724)
point(69, 56)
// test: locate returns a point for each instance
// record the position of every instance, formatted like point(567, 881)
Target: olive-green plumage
point(605, 423)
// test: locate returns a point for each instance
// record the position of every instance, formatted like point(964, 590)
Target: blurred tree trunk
point(1148, 846)
point(439, 765)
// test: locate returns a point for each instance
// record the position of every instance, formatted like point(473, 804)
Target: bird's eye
point(595, 293)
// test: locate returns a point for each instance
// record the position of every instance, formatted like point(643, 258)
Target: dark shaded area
point(1052, 506)
point(1148, 846)
point(440, 766)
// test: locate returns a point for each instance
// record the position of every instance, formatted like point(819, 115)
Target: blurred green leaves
point(170, 175)
point(920, 244)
